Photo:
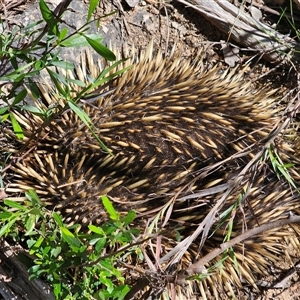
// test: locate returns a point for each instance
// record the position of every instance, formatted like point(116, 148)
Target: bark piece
point(14, 278)
point(242, 28)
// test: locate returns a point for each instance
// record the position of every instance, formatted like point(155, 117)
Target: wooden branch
point(199, 266)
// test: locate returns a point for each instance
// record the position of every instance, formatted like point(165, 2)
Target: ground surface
point(169, 24)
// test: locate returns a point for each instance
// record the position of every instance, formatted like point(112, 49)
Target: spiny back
point(163, 120)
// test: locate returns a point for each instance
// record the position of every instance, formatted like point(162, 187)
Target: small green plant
point(227, 218)
point(280, 169)
point(76, 264)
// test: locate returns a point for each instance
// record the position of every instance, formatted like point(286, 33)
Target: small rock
point(132, 3)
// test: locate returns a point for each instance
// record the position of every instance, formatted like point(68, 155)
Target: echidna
point(179, 134)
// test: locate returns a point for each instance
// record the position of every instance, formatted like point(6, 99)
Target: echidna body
point(165, 120)
point(178, 133)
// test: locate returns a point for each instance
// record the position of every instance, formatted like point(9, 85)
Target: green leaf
point(80, 113)
point(70, 238)
point(49, 17)
point(3, 110)
point(30, 224)
point(34, 249)
point(102, 78)
point(63, 34)
point(96, 229)
point(19, 73)
point(233, 257)
point(30, 243)
point(101, 49)
point(106, 281)
point(45, 251)
point(14, 204)
point(35, 211)
point(33, 89)
point(33, 109)
point(79, 40)
point(63, 64)
point(34, 198)
point(5, 229)
point(39, 64)
point(93, 5)
point(87, 121)
point(129, 217)
point(58, 219)
point(19, 97)
point(55, 77)
point(32, 25)
point(136, 231)
point(77, 82)
point(34, 269)
point(38, 243)
point(5, 215)
point(101, 295)
point(56, 251)
point(14, 62)
point(121, 291)
point(124, 237)
point(57, 289)
point(100, 142)
point(109, 208)
point(16, 127)
point(4, 117)
point(100, 245)
point(287, 166)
